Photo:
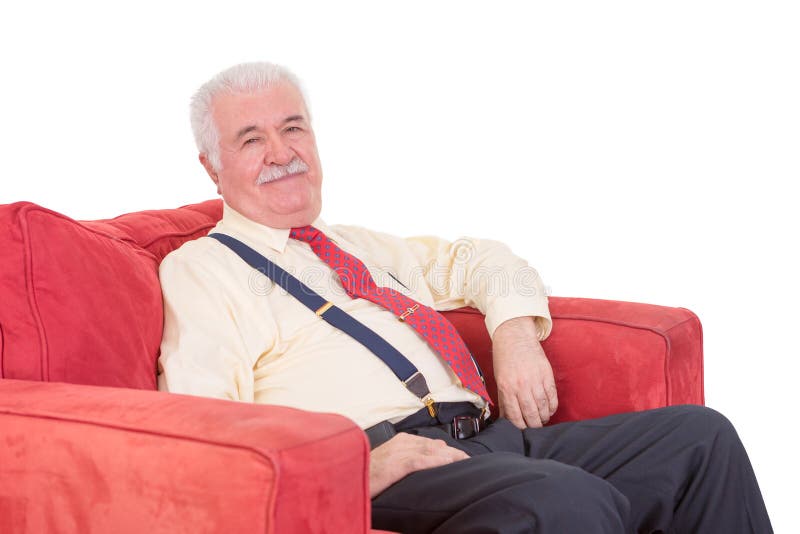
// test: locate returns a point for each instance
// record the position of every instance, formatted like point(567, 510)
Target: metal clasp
point(325, 307)
point(428, 401)
point(465, 426)
point(408, 312)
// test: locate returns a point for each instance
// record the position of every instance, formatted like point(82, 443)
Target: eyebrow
point(252, 127)
point(246, 130)
point(293, 118)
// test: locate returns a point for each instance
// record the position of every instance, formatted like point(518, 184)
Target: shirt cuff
point(501, 312)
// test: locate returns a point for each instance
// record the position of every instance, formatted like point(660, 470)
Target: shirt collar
point(275, 238)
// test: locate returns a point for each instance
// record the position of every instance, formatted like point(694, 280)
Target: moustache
point(275, 172)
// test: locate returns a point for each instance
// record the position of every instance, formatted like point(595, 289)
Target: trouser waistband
point(448, 414)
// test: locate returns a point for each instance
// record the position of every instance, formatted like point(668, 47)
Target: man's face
point(270, 167)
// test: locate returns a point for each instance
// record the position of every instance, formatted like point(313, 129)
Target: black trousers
point(680, 469)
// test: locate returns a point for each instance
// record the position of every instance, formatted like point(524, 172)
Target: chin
point(294, 218)
point(306, 217)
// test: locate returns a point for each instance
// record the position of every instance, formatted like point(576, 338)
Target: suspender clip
point(428, 400)
point(417, 385)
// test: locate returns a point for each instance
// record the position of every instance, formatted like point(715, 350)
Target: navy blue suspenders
point(399, 364)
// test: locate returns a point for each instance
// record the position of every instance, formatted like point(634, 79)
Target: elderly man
point(354, 329)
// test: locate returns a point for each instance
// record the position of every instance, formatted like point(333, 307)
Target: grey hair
point(241, 78)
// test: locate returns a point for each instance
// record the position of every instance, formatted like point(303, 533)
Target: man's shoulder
point(361, 235)
point(195, 252)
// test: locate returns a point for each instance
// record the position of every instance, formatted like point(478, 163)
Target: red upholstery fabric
point(81, 301)
point(79, 459)
point(609, 357)
point(162, 231)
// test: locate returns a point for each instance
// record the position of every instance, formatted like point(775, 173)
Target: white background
point(629, 150)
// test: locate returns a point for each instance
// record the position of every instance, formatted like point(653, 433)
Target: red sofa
point(88, 445)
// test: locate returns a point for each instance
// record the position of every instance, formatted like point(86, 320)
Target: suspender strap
point(336, 317)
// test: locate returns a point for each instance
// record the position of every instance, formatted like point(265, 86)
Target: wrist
point(517, 327)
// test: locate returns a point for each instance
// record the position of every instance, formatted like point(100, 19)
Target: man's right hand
point(404, 454)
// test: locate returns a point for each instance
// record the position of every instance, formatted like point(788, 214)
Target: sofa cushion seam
point(135, 430)
point(30, 289)
point(164, 434)
point(2, 350)
point(659, 332)
point(177, 234)
point(627, 324)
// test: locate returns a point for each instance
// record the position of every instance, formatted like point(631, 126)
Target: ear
point(211, 172)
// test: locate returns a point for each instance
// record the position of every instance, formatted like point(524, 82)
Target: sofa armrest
point(96, 459)
point(608, 356)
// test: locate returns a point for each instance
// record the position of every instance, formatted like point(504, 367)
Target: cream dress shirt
point(230, 333)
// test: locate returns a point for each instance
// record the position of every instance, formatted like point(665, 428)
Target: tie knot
point(304, 233)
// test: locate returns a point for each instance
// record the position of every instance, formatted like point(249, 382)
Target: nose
point(278, 152)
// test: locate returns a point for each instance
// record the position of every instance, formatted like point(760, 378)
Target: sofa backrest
point(80, 301)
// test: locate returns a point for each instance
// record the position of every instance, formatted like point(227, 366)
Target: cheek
point(242, 170)
point(311, 158)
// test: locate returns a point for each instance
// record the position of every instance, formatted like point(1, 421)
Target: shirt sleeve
point(201, 351)
point(481, 273)
point(484, 274)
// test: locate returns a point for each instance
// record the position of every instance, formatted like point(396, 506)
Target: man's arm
point(484, 274)
point(202, 352)
point(487, 275)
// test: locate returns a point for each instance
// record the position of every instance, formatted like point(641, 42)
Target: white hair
point(241, 78)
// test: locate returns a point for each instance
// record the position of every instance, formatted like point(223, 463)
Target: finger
point(453, 454)
point(428, 461)
point(509, 408)
point(552, 397)
point(530, 410)
point(441, 448)
point(436, 455)
point(540, 401)
point(542, 404)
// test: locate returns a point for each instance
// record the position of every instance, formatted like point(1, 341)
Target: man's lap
point(496, 490)
point(600, 464)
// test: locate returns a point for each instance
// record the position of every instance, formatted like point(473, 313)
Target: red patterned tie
point(440, 334)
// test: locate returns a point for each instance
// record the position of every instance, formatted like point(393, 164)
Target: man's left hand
point(526, 388)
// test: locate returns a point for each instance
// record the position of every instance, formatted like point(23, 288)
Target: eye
point(293, 129)
point(251, 141)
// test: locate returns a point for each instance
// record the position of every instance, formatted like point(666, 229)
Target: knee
point(706, 422)
point(699, 412)
point(581, 502)
point(707, 432)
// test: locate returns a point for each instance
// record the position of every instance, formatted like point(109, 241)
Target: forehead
point(262, 108)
